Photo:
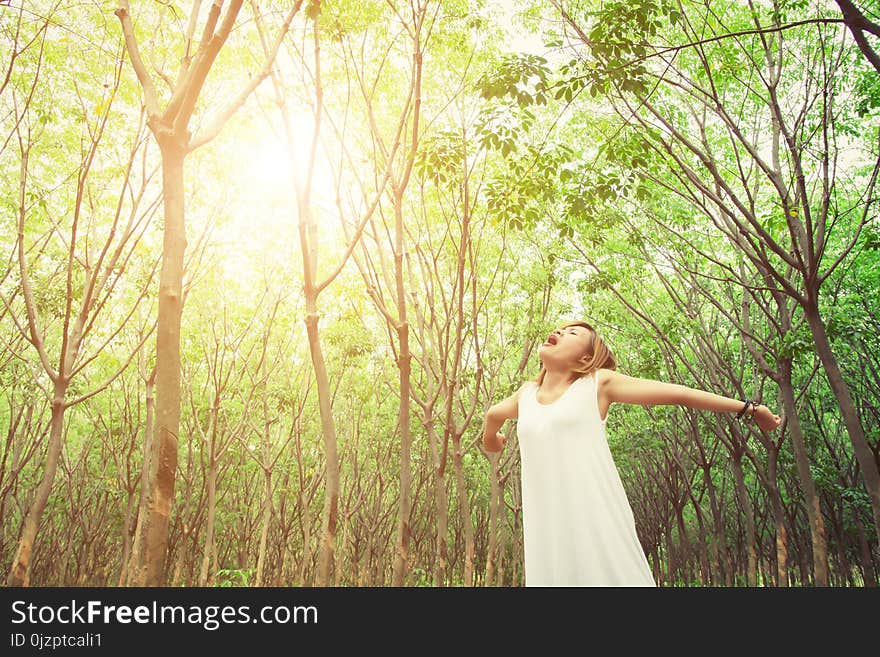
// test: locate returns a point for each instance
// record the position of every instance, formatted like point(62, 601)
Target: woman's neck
point(555, 379)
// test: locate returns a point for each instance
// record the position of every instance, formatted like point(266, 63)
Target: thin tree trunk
point(143, 501)
point(869, 573)
point(12, 447)
point(778, 510)
point(328, 431)
point(402, 559)
point(441, 505)
point(748, 512)
point(128, 520)
point(264, 529)
point(494, 514)
point(19, 573)
point(211, 510)
point(684, 545)
point(170, 129)
point(181, 559)
point(716, 548)
point(671, 561)
point(781, 539)
point(404, 358)
point(805, 477)
point(465, 511)
point(308, 239)
point(307, 540)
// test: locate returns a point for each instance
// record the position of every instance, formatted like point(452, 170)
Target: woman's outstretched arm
point(631, 390)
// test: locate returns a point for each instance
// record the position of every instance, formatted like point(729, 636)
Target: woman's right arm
point(493, 441)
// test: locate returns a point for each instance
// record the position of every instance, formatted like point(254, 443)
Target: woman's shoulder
point(523, 390)
point(604, 375)
point(525, 386)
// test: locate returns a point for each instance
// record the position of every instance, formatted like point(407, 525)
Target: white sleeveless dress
point(578, 526)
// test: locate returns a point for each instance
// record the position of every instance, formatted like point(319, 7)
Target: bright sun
point(260, 217)
point(273, 164)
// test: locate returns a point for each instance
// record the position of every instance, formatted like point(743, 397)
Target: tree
point(93, 272)
point(170, 128)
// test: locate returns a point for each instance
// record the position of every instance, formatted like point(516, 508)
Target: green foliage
point(868, 91)
point(441, 157)
point(522, 77)
point(794, 344)
point(232, 577)
point(619, 41)
point(421, 578)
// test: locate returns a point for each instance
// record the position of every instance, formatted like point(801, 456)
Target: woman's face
point(565, 346)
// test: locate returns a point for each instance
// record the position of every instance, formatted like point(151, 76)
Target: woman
point(578, 527)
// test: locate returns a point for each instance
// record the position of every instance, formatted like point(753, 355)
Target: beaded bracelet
point(746, 402)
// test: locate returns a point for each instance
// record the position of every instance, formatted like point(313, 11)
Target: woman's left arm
point(631, 390)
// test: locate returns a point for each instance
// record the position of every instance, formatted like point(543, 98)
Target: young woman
point(578, 527)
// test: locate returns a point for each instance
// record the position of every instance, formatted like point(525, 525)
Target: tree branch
point(858, 25)
point(151, 99)
point(206, 135)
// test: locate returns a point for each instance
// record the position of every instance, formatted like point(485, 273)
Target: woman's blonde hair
point(597, 356)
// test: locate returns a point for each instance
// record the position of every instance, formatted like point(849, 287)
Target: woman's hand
point(766, 419)
point(500, 439)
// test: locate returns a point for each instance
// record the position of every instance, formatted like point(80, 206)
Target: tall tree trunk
point(170, 127)
point(308, 239)
point(861, 449)
point(163, 467)
point(181, 559)
point(404, 357)
point(781, 539)
point(703, 569)
point(843, 566)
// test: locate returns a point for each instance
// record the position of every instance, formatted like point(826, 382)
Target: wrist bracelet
point(754, 403)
